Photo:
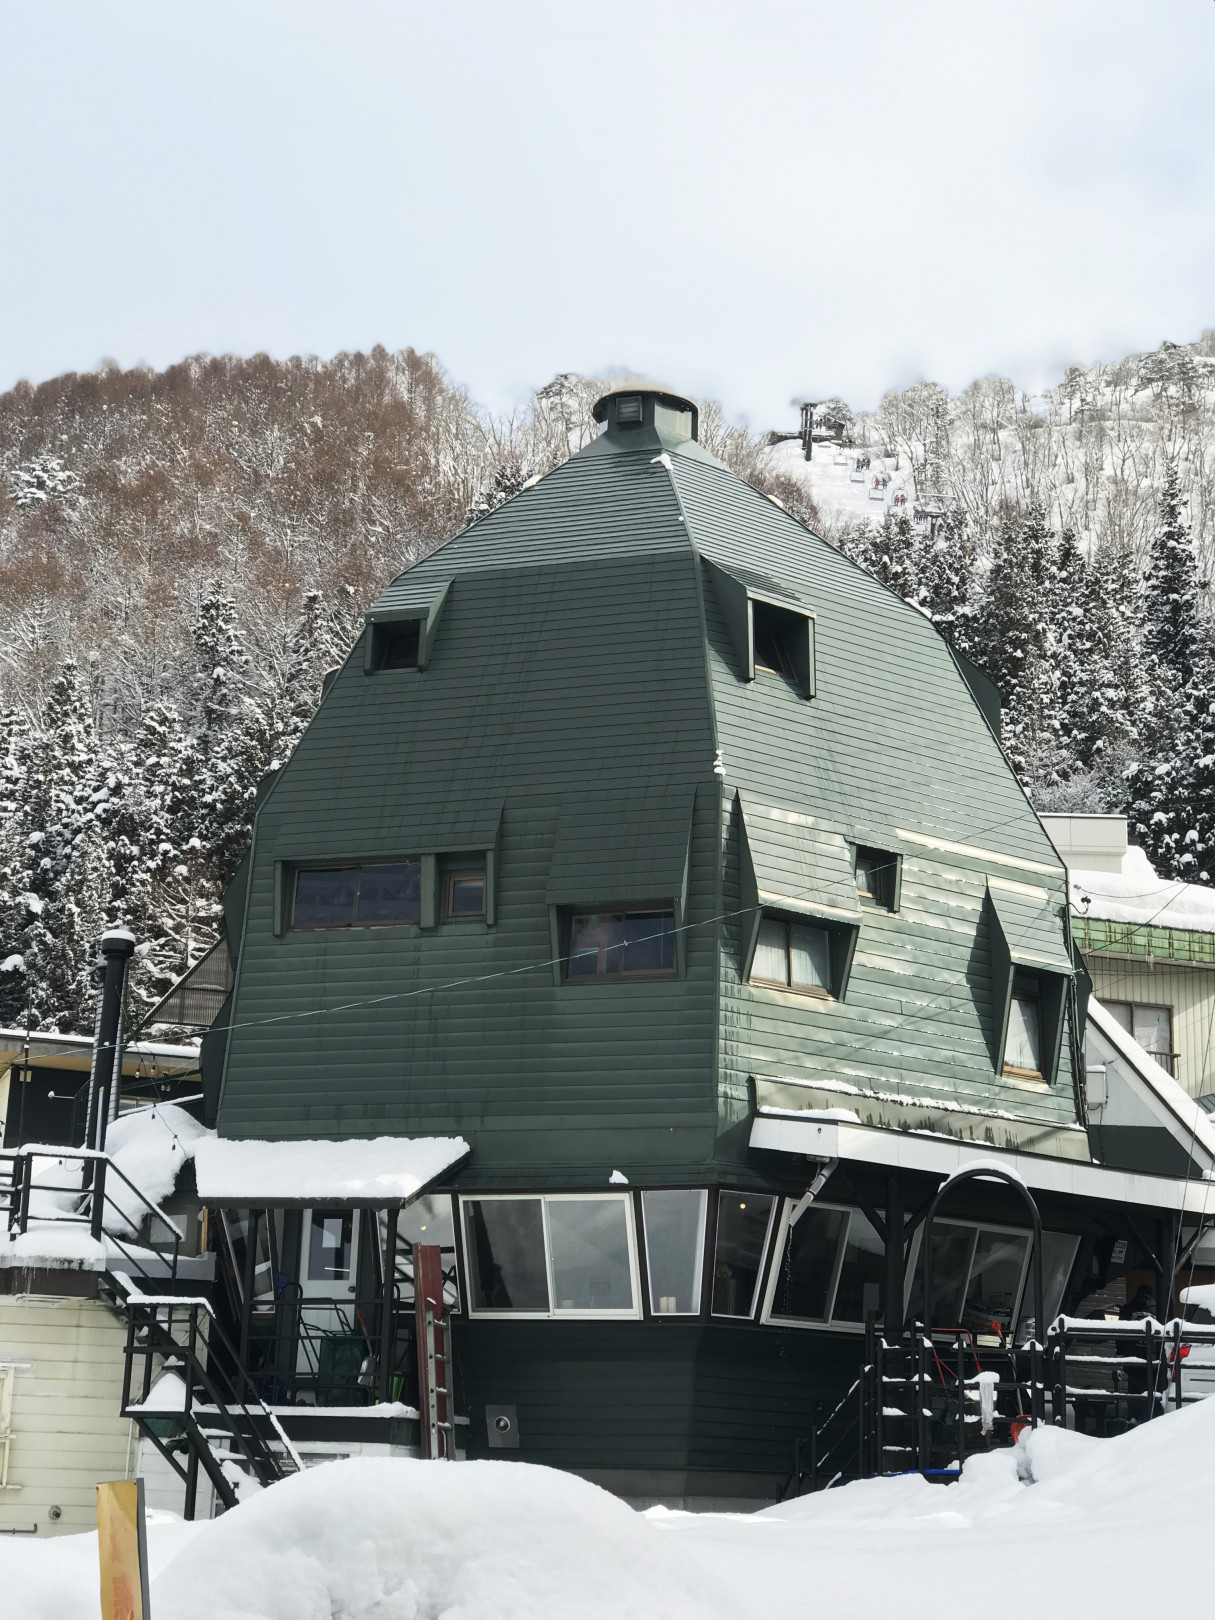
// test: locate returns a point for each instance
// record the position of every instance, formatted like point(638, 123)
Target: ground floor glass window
point(674, 1249)
point(743, 1221)
point(550, 1254)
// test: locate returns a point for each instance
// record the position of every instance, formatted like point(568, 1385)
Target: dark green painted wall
point(581, 648)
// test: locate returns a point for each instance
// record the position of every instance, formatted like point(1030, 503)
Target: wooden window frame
point(815, 992)
point(467, 875)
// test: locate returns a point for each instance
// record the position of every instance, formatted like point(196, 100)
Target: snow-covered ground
point(829, 475)
point(1062, 1526)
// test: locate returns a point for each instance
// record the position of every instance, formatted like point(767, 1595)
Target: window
point(1023, 1043)
point(550, 1255)
point(353, 896)
point(982, 1279)
point(795, 956)
point(1152, 1027)
point(832, 1268)
point(426, 1220)
point(877, 876)
point(743, 1222)
point(674, 1249)
point(621, 944)
point(464, 894)
point(330, 1245)
point(400, 644)
point(780, 639)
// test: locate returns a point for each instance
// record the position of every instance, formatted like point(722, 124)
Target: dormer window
point(401, 645)
point(621, 944)
point(1023, 1045)
point(877, 872)
point(792, 956)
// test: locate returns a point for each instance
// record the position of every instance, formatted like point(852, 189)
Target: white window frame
point(828, 1322)
point(706, 1205)
point(554, 1313)
point(765, 1258)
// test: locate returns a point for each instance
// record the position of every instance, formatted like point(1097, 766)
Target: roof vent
point(672, 418)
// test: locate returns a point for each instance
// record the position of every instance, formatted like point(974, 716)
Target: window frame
point(1034, 995)
point(295, 868)
point(466, 875)
point(565, 932)
point(813, 991)
point(704, 1279)
point(1148, 1006)
point(554, 1313)
point(894, 862)
point(795, 639)
point(913, 1290)
point(829, 1323)
point(765, 1258)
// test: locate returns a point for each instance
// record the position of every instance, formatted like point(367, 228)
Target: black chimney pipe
point(116, 947)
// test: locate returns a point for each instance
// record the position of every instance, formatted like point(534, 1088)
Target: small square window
point(877, 872)
point(465, 895)
point(628, 408)
point(781, 644)
point(400, 644)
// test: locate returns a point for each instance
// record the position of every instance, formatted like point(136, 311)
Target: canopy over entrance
point(384, 1171)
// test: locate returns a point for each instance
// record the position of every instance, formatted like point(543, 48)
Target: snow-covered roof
point(1137, 895)
point(44, 1043)
point(386, 1169)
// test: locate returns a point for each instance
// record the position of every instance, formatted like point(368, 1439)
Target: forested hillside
point(183, 554)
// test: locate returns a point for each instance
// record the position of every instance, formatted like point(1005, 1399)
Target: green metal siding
point(582, 653)
point(583, 676)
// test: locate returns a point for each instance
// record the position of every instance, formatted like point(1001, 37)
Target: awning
point(818, 1138)
point(617, 846)
point(793, 863)
point(1031, 921)
point(381, 1172)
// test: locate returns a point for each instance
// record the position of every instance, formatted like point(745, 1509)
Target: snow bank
point(380, 1539)
point(387, 1167)
point(1070, 1525)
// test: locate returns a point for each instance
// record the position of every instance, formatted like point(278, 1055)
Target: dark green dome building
point(661, 855)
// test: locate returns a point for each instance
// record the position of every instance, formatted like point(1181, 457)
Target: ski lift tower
point(805, 432)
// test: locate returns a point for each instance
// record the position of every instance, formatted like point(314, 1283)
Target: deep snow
point(1067, 1524)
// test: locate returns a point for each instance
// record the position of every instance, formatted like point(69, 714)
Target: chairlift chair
point(857, 475)
point(877, 490)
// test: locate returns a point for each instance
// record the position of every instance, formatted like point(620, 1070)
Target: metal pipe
point(116, 946)
point(387, 1322)
point(892, 1317)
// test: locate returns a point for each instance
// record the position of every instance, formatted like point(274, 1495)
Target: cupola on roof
point(631, 410)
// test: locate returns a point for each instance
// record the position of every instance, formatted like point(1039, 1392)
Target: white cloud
point(756, 201)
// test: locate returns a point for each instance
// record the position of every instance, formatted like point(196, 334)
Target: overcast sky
point(750, 200)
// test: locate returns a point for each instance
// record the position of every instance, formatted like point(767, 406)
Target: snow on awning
point(385, 1170)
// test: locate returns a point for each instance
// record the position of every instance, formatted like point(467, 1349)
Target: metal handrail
point(22, 1187)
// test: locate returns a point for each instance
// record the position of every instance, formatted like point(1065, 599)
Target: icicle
point(987, 1382)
